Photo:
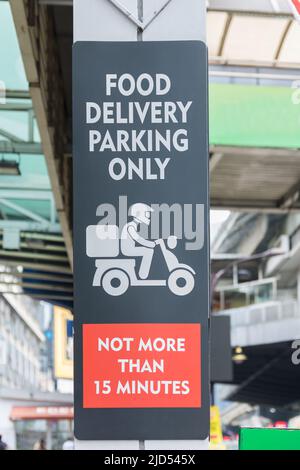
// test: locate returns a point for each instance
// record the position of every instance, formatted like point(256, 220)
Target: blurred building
point(29, 407)
point(257, 257)
point(21, 341)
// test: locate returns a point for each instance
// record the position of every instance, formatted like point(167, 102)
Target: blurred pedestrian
point(3, 445)
point(68, 444)
point(40, 445)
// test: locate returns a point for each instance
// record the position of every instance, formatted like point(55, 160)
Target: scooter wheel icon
point(115, 282)
point(116, 274)
point(181, 282)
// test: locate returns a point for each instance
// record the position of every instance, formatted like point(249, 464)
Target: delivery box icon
point(102, 241)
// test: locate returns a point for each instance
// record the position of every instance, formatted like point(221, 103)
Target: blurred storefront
point(30, 408)
point(27, 416)
point(53, 424)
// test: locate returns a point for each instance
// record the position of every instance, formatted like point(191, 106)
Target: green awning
point(254, 116)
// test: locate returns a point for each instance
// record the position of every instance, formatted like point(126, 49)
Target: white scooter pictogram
point(115, 275)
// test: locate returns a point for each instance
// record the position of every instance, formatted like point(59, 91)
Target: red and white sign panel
point(296, 8)
point(142, 366)
point(21, 413)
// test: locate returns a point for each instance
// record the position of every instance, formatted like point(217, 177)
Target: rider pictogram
point(117, 251)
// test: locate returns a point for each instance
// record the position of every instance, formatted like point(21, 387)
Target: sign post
point(141, 239)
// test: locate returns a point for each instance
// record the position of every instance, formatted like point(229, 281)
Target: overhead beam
point(258, 373)
point(224, 35)
point(15, 106)
point(214, 161)
point(21, 210)
point(30, 226)
point(266, 207)
point(46, 267)
point(17, 94)
point(38, 277)
point(282, 39)
point(289, 203)
point(24, 148)
point(21, 255)
point(291, 198)
point(43, 236)
point(60, 3)
point(250, 7)
point(43, 296)
point(26, 193)
point(40, 58)
point(274, 74)
point(234, 6)
point(37, 286)
point(255, 151)
point(8, 135)
point(29, 245)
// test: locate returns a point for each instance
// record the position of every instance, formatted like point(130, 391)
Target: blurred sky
point(11, 66)
point(217, 218)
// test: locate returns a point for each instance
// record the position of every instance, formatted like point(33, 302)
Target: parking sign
point(141, 243)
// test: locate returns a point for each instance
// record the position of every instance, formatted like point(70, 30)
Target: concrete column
point(140, 20)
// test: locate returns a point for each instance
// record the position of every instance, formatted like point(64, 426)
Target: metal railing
point(246, 293)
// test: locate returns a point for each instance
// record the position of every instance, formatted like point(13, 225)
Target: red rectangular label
point(142, 366)
point(296, 4)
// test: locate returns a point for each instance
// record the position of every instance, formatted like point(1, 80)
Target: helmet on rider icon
point(141, 212)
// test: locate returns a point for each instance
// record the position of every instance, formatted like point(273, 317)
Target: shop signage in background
point(30, 413)
point(141, 243)
point(269, 439)
point(295, 4)
point(216, 435)
point(63, 343)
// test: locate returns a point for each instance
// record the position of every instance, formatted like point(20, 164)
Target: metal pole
point(49, 435)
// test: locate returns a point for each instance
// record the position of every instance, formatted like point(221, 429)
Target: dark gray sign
point(141, 240)
point(221, 365)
